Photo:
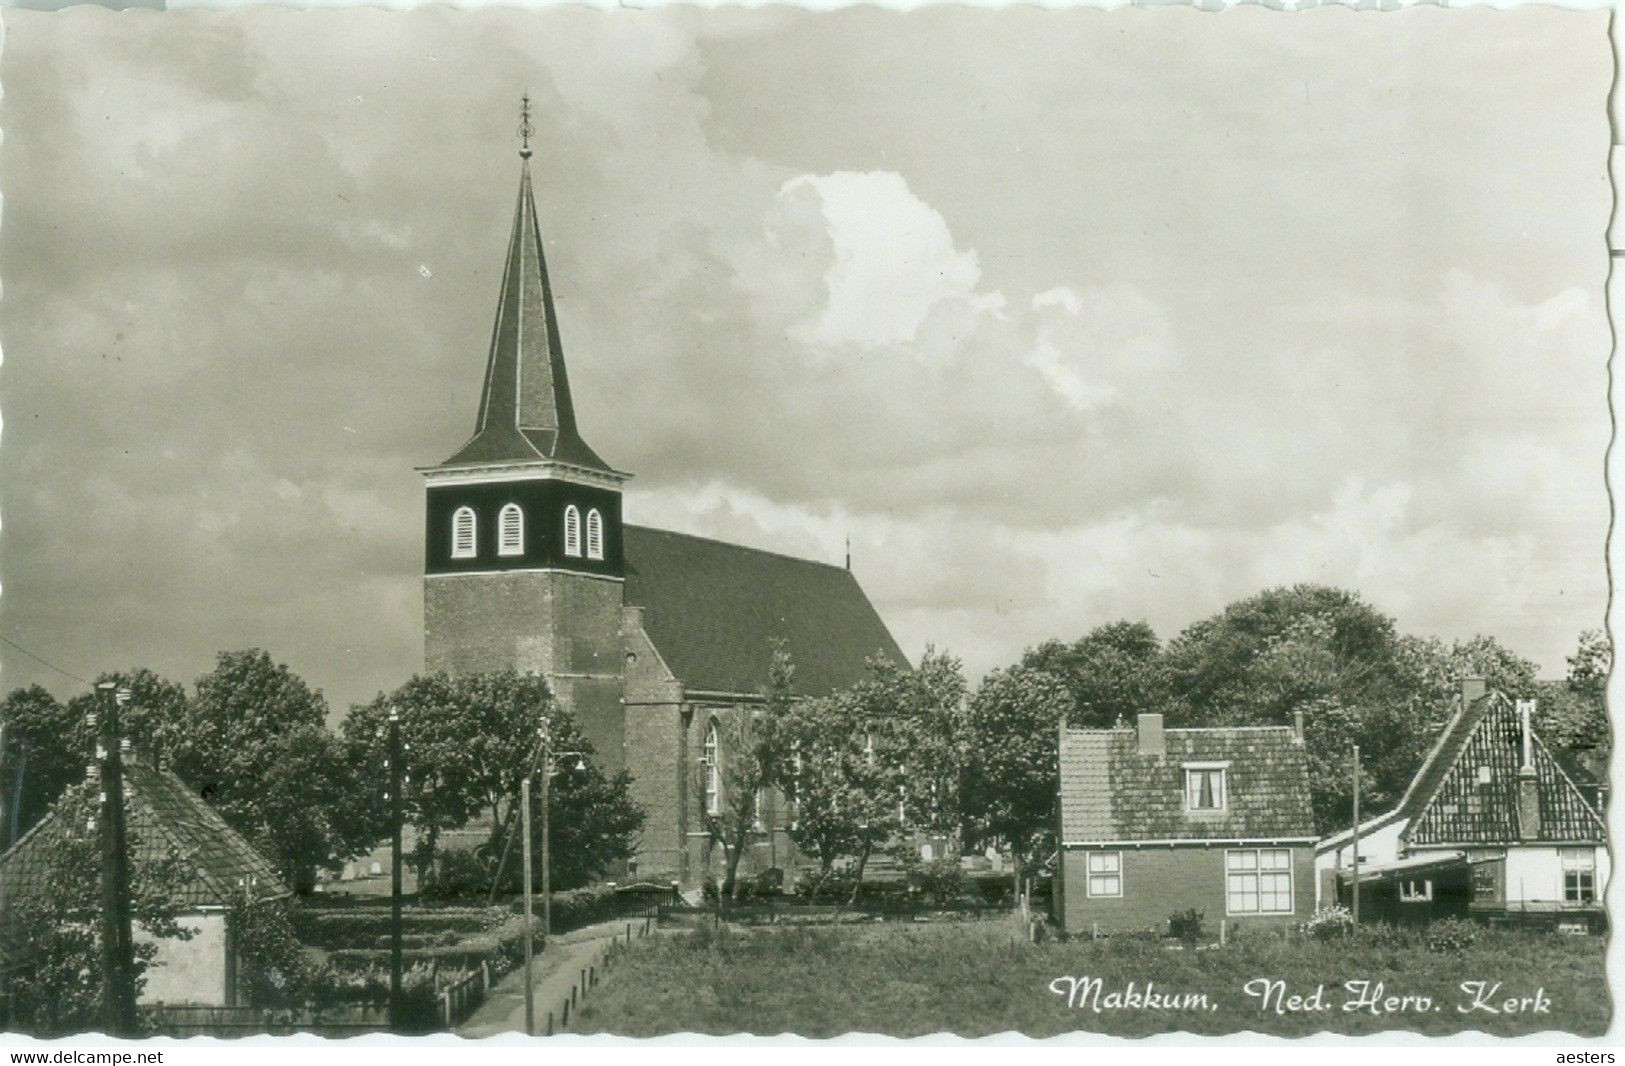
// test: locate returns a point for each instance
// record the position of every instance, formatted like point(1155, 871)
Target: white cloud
point(893, 259)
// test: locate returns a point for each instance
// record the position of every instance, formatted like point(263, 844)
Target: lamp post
point(118, 967)
point(395, 818)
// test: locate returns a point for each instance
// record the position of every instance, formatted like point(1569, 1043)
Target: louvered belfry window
point(572, 531)
point(511, 530)
point(595, 534)
point(462, 533)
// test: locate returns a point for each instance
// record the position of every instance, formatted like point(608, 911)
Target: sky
point(1063, 317)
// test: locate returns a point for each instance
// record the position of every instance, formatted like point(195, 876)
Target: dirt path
point(555, 971)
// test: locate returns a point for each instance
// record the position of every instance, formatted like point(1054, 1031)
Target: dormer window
point(511, 530)
point(463, 528)
point(1206, 787)
point(572, 532)
point(595, 534)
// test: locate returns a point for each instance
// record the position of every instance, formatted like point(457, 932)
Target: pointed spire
point(525, 408)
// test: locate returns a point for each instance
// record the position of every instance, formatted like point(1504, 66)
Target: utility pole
point(547, 863)
point(395, 817)
point(530, 979)
point(1356, 844)
point(118, 963)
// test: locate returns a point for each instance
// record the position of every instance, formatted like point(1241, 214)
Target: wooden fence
point(184, 1020)
point(770, 910)
point(594, 971)
point(460, 998)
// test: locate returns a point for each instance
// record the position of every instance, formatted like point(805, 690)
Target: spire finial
point(849, 551)
point(525, 128)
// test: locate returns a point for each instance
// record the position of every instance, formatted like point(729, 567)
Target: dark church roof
point(525, 408)
point(162, 817)
point(712, 610)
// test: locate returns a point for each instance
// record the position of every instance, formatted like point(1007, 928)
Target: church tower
point(524, 567)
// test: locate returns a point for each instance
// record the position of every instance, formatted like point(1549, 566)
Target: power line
point(44, 662)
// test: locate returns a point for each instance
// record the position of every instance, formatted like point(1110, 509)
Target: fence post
point(592, 976)
point(549, 1023)
point(566, 1022)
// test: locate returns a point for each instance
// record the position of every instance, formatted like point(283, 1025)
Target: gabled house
point(1490, 826)
point(1155, 821)
point(162, 817)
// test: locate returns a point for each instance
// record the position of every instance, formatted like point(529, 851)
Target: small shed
point(163, 816)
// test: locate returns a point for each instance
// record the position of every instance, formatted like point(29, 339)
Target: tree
point(44, 750)
point(1010, 771)
point(1114, 672)
point(56, 986)
point(744, 754)
point(253, 742)
point(472, 740)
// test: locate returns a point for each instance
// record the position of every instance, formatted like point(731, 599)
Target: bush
point(1452, 936)
point(1186, 926)
point(1328, 923)
point(942, 880)
point(458, 873)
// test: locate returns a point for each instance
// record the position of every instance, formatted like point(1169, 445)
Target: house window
point(1205, 787)
point(572, 531)
point(595, 534)
point(713, 777)
point(1579, 874)
point(1258, 881)
point(1415, 891)
point(1105, 873)
point(511, 530)
point(462, 533)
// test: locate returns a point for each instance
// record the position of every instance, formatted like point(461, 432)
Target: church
point(649, 638)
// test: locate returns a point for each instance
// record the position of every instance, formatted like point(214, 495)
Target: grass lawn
point(974, 978)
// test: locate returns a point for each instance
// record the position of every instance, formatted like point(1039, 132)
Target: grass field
point(974, 978)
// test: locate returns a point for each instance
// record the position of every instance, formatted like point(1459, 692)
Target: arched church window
point(462, 533)
point(713, 773)
point(572, 531)
point(595, 534)
point(511, 530)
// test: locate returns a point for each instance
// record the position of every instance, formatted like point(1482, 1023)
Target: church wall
point(563, 626)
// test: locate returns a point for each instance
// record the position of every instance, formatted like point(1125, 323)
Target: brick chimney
point(1297, 727)
point(1148, 728)
point(1472, 689)
point(1528, 787)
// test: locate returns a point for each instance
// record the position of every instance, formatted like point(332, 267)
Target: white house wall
point(1377, 848)
point(189, 971)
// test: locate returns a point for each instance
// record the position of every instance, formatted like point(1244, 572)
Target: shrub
point(459, 873)
point(1186, 925)
point(941, 879)
point(1453, 935)
point(1328, 923)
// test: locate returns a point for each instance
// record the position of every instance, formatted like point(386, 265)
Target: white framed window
point(1258, 881)
point(1206, 786)
point(1579, 874)
point(1105, 873)
point(1415, 891)
point(511, 530)
point(464, 527)
point(595, 534)
point(713, 774)
point(572, 531)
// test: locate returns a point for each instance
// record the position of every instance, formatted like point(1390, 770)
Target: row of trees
point(252, 739)
point(908, 753)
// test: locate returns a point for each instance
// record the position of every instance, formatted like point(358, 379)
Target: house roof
point(713, 610)
point(1112, 793)
point(161, 816)
point(525, 407)
point(1444, 803)
point(1455, 805)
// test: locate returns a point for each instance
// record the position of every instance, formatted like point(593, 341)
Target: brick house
point(163, 817)
point(1154, 821)
point(647, 637)
point(1491, 825)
